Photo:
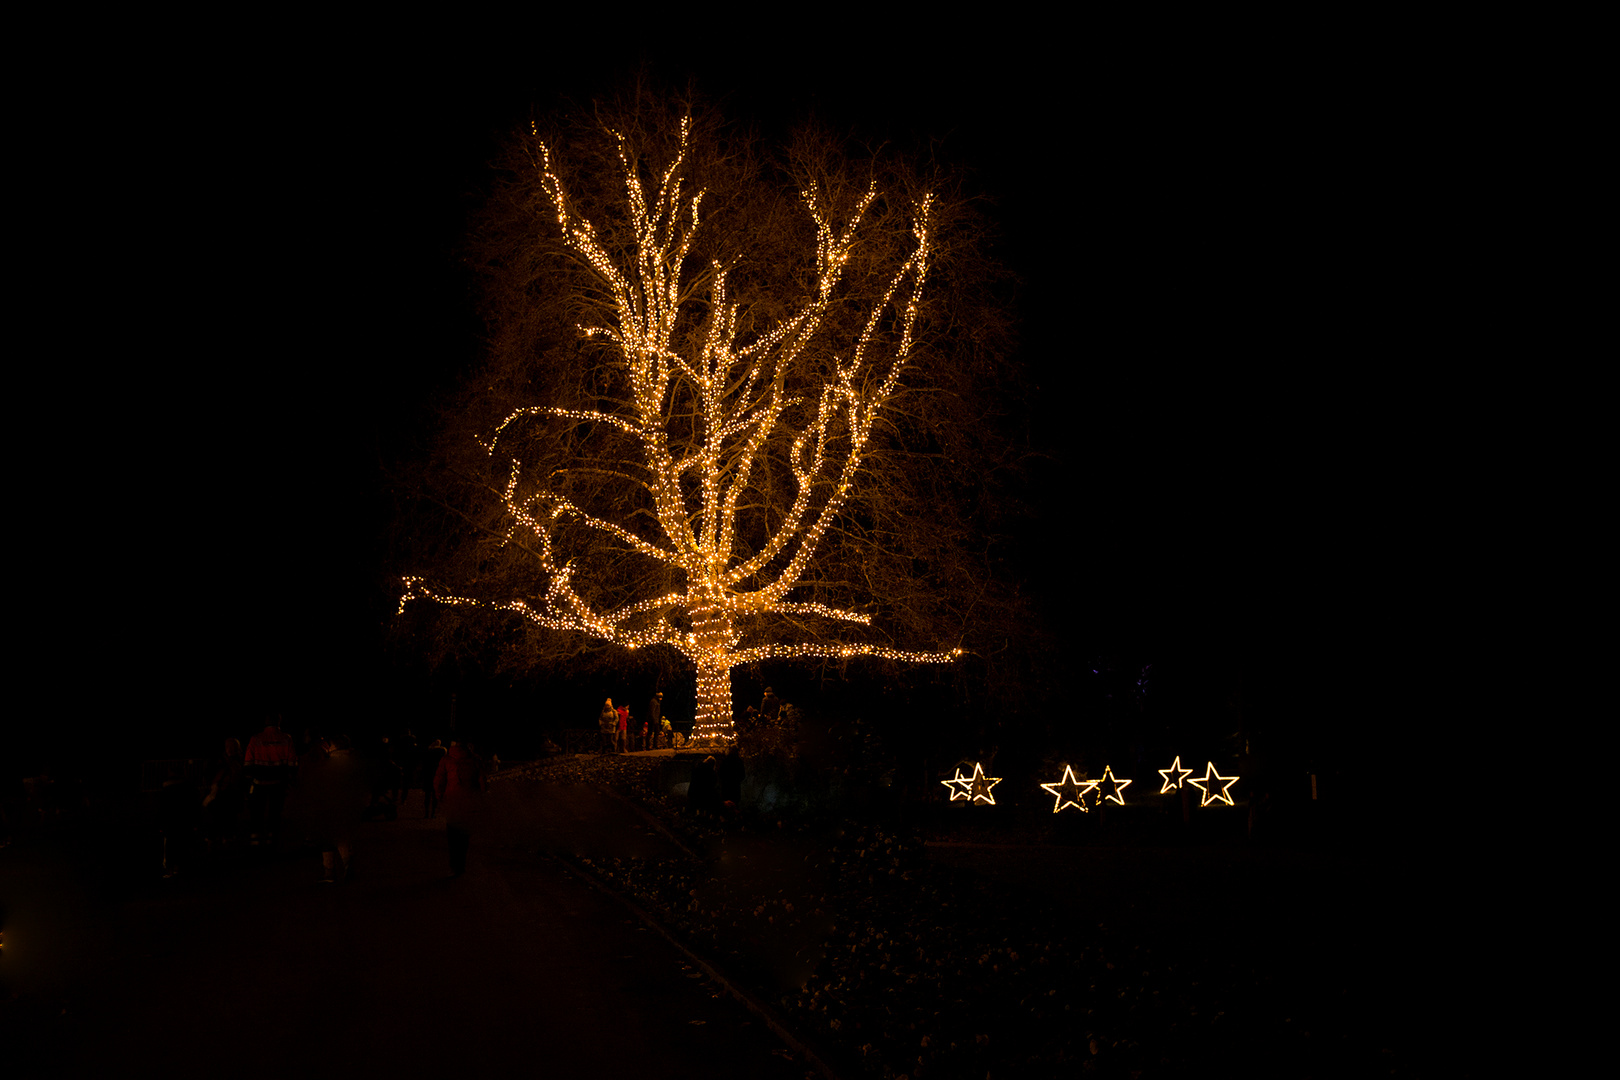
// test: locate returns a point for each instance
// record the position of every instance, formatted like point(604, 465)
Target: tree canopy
point(740, 405)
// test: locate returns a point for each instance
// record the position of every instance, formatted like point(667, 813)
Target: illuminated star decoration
point(976, 787)
point(982, 785)
point(1071, 791)
point(1116, 793)
point(959, 786)
point(1173, 776)
point(1210, 780)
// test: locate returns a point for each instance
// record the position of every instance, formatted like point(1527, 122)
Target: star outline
point(1108, 777)
point(1173, 785)
point(1209, 779)
point(1070, 781)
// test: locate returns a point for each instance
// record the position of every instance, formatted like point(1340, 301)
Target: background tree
point(736, 408)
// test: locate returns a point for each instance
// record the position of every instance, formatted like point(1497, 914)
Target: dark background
point(1226, 249)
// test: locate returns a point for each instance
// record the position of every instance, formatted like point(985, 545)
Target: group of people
point(245, 797)
point(622, 733)
point(452, 778)
point(396, 766)
point(769, 710)
point(247, 790)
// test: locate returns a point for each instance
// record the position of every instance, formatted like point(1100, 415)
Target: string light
point(1208, 784)
point(961, 787)
point(1173, 776)
point(739, 401)
point(1114, 786)
point(1071, 791)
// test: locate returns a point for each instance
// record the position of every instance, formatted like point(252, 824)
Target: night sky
point(1206, 312)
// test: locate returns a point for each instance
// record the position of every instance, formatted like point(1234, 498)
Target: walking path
point(264, 971)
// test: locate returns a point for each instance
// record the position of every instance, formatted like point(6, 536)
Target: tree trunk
point(713, 701)
point(715, 638)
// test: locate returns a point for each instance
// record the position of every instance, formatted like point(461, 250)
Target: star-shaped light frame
point(1108, 777)
point(1173, 776)
point(1210, 779)
point(1071, 791)
point(975, 788)
point(981, 785)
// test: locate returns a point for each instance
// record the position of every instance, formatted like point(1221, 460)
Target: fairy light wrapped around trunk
point(701, 404)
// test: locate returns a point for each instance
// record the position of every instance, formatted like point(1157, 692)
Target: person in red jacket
point(272, 766)
point(459, 785)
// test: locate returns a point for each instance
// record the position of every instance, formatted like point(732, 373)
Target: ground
point(917, 942)
point(938, 941)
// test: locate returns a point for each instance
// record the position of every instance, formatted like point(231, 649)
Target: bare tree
point(713, 461)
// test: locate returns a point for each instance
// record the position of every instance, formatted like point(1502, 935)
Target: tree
point(725, 458)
